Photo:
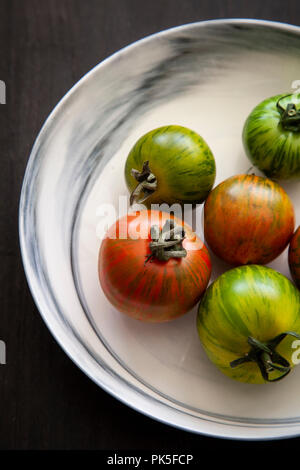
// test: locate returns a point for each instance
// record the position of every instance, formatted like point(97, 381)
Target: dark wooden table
point(46, 402)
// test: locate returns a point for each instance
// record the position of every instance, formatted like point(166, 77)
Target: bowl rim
point(212, 428)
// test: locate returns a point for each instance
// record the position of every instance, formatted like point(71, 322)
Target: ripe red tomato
point(294, 257)
point(139, 284)
point(248, 219)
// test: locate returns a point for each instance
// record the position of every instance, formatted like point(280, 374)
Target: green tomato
point(170, 164)
point(248, 321)
point(271, 137)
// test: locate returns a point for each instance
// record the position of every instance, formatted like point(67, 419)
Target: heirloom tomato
point(294, 257)
point(249, 324)
point(170, 164)
point(248, 219)
point(271, 136)
point(152, 266)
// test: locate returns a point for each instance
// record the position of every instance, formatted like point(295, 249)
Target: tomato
point(147, 279)
point(294, 257)
point(170, 164)
point(243, 321)
point(271, 136)
point(248, 219)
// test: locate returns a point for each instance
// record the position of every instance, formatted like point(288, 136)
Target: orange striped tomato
point(248, 219)
point(294, 257)
point(140, 284)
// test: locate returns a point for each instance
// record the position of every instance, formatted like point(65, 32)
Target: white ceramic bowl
point(207, 76)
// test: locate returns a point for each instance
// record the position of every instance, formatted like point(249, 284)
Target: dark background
point(46, 402)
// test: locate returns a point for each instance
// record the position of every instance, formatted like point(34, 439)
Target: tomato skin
point(180, 159)
point(247, 301)
point(155, 291)
point(270, 147)
point(248, 219)
point(294, 257)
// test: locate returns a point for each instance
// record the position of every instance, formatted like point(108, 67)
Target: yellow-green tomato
point(249, 324)
point(170, 164)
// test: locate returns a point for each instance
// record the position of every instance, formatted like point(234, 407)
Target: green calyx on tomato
point(170, 164)
point(167, 242)
point(147, 184)
point(290, 116)
point(266, 356)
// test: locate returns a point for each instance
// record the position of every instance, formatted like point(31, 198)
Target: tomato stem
point(266, 356)
point(289, 116)
point(166, 243)
point(147, 184)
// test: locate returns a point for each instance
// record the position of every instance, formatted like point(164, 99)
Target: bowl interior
point(206, 76)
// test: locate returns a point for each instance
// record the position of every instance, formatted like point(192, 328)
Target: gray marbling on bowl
point(207, 76)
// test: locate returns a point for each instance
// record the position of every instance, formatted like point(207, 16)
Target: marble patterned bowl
point(207, 76)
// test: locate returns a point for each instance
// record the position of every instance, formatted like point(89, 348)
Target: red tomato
point(248, 219)
point(151, 290)
point(294, 257)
